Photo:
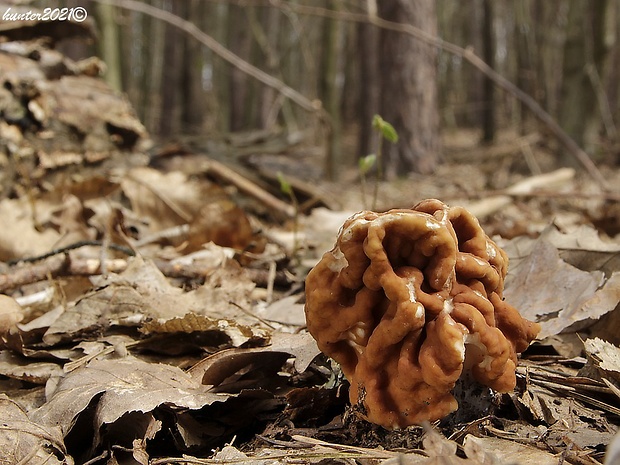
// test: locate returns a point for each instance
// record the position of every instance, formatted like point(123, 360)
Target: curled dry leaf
point(11, 313)
point(605, 357)
point(568, 280)
point(19, 236)
point(216, 368)
point(560, 295)
point(142, 298)
point(19, 367)
point(441, 451)
point(172, 199)
point(496, 451)
point(120, 386)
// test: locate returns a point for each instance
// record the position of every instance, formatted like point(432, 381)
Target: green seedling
point(365, 164)
point(386, 131)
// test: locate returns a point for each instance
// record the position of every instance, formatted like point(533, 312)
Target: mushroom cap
point(401, 298)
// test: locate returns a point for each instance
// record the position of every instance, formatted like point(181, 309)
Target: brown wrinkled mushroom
point(400, 300)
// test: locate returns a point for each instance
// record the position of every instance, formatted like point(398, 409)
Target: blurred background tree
point(408, 87)
point(563, 53)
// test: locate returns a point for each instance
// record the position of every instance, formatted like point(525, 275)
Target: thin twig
point(58, 266)
point(67, 248)
point(252, 315)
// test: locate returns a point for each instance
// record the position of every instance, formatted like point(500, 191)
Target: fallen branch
point(498, 150)
point(67, 248)
point(63, 265)
point(51, 268)
point(223, 172)
point(315, 195)
point(492, 204)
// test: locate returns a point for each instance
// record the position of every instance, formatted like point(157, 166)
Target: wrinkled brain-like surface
point(402, 297)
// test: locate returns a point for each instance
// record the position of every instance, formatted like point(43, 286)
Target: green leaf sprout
point(366, 163)
point(386, 129)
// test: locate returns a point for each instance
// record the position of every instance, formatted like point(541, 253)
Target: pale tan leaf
point(546, 289)
point(166, 200)
point(497, 451)
point(585, 237)
point(612, 456)
point(121, 386)
point(192, 322)
point(23, 441)
point(32, 371)
point(605, 357)
point(286, 311)
point(11, 313)
point(19, 236)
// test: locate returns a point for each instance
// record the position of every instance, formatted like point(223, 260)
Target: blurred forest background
point(343, 62)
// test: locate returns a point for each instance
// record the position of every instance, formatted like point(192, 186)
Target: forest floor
point(183, 340)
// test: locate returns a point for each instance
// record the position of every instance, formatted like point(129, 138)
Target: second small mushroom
point(400, 300)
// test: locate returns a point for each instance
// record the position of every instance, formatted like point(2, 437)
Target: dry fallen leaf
point(11, 313)
point(216, 368)
point(585, 237)
point(605, 357)
point(612, 456)
point(488, 450)
point(24, 441)
point(224, 332)
point(167, 200)
point(121, 386)
point(142, 298)
point(286, 311)
point(546, 289)
point(442, 451)
point(32, 371)
point(19, 236)
point(164, 199)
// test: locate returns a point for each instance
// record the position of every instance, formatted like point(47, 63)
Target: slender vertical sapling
point(386, 131)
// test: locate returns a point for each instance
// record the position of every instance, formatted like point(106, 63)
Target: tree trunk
point(193, 110)
point(171, 79)
point(468, 81)
point(584, 52)
point(369, 97)
point(409, 88)
point(269, 106)
point(527, 51)
point(488, 87)
point(240, 42)
point(330, 89)
point(152, 77)
point(218, 23)
point(613, 76)
point(109, 46)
